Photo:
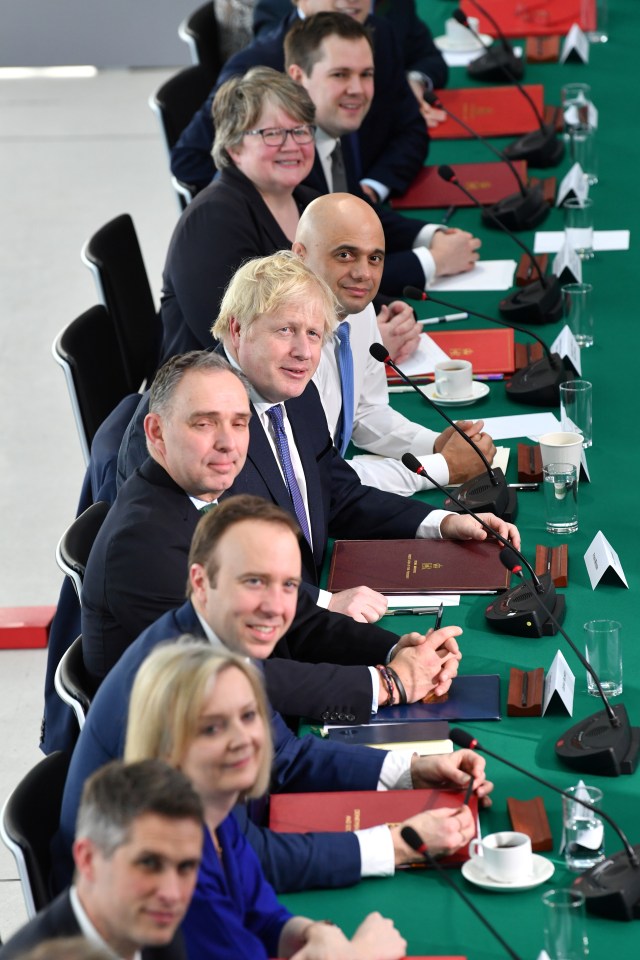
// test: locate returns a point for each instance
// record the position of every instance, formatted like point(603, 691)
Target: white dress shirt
point(377, 427)
point(88, 930)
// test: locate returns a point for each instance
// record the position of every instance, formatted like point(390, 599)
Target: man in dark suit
point(138, 565)
point(393, 141)
point(244, 570)
point(136, 854)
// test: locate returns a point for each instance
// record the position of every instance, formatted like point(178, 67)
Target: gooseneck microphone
point(611, 888)
point(604, 743)
point(498, 62)
point(513, 612)
point(539, 382)
point(524, 210)
point(493, 496)
point(541, 147)
point(413, 840)
point(539, 302)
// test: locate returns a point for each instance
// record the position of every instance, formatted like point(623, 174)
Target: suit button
point(342, 716)
point(350, 717)
point(326, 715)
point(334, 716)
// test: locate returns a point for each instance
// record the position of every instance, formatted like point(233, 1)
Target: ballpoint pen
point(446, 318)
point(413, 611)
point(439, 617)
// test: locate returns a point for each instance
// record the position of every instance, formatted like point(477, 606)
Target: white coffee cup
point(458, 34)
point(561, 447)
point(505, 857)
point(454, 378)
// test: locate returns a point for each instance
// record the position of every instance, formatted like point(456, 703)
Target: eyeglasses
point(276, 136)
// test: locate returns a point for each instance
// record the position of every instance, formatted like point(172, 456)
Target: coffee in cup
point(505, 857)
point(454, 379)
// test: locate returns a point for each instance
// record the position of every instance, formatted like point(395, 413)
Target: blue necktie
point(282, 445)
point(345, 365)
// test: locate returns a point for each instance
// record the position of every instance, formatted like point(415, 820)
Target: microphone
point(514, 611)
point(519, 211)
point(604, 743)
point(497, 61)
point(541, 147)
point(492, 497)
point(413, 840)
point(538, 302)
point(611, 888)
point(539, 382)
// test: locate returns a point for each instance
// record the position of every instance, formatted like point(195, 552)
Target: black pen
point(413, 612)
point(450, 212)
point(468, 792)
point(439, 617)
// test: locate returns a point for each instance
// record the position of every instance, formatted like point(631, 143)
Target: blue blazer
point(393, 137)
point(58, 920)
point(290, 861)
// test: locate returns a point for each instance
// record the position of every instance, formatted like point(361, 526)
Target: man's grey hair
point(117, 794)
point(171, 373)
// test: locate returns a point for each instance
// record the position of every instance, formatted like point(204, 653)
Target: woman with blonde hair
point(207, 714)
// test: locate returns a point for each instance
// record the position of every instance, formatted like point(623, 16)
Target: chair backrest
point(76, 542)
point(176, 101)
point(29, 820)
point(89, 353)
point(72, 682)
point(114, 257)
point(201, 33)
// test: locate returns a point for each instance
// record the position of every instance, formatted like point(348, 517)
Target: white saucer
point(480, 390)
point(448, 45)
point(473, 871)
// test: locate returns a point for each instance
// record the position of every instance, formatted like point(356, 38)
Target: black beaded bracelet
point(402, 693)
point(388, 682)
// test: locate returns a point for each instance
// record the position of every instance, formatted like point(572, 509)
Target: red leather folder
point(489, 182)
point(491, 111)
point(535, 18)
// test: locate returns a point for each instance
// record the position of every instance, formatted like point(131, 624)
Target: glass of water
point(583, 828)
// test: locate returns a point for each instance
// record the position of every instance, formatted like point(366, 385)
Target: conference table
point(433, 920)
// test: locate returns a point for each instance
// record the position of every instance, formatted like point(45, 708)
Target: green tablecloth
point(433, 921)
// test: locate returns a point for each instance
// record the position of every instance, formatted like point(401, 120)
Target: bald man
point(341, 238)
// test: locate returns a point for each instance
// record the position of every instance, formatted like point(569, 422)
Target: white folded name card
point(602, 559)
point(559, 685)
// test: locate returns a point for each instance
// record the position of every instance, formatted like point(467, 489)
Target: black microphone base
point(538, 384)
point(540, 148)
point(612, 888)
point(481, 496)
point(534, 303)
point(518, 611)
point(497, 65)
point(518, 212)
point(594, 746)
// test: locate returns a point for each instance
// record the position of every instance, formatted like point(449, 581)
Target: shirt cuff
point(429, 529)
point(375, 689)
point(380, 189)
point(394, 770)
point(437, 467)
point(324, 599)
point(427, 263)
point(377, 858)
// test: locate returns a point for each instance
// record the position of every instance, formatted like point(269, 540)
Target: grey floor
point(73, 154)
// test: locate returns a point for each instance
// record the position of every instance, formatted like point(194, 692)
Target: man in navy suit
point(393, 142)
point(244, 572)
point(136, 853)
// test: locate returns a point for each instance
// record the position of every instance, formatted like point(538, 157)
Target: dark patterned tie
point(282, 445)
point(208, 506)
point(338, 173)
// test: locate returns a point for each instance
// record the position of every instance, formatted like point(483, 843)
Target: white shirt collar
point(87, 928)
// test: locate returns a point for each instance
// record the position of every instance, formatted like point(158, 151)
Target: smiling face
point(341, 240)
point(273, 170)
point(358, 9)
point(280, 351)
point(252, 601)
point(202, 438)
point(139, 894)
point(224, 757)
point(340, 84)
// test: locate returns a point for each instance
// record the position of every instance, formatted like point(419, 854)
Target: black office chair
point(73, 684)
point(114, 257)
point(76, 542)
point(174, 103)
point(201, 33)
point(29, 820)
point(89, 354)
